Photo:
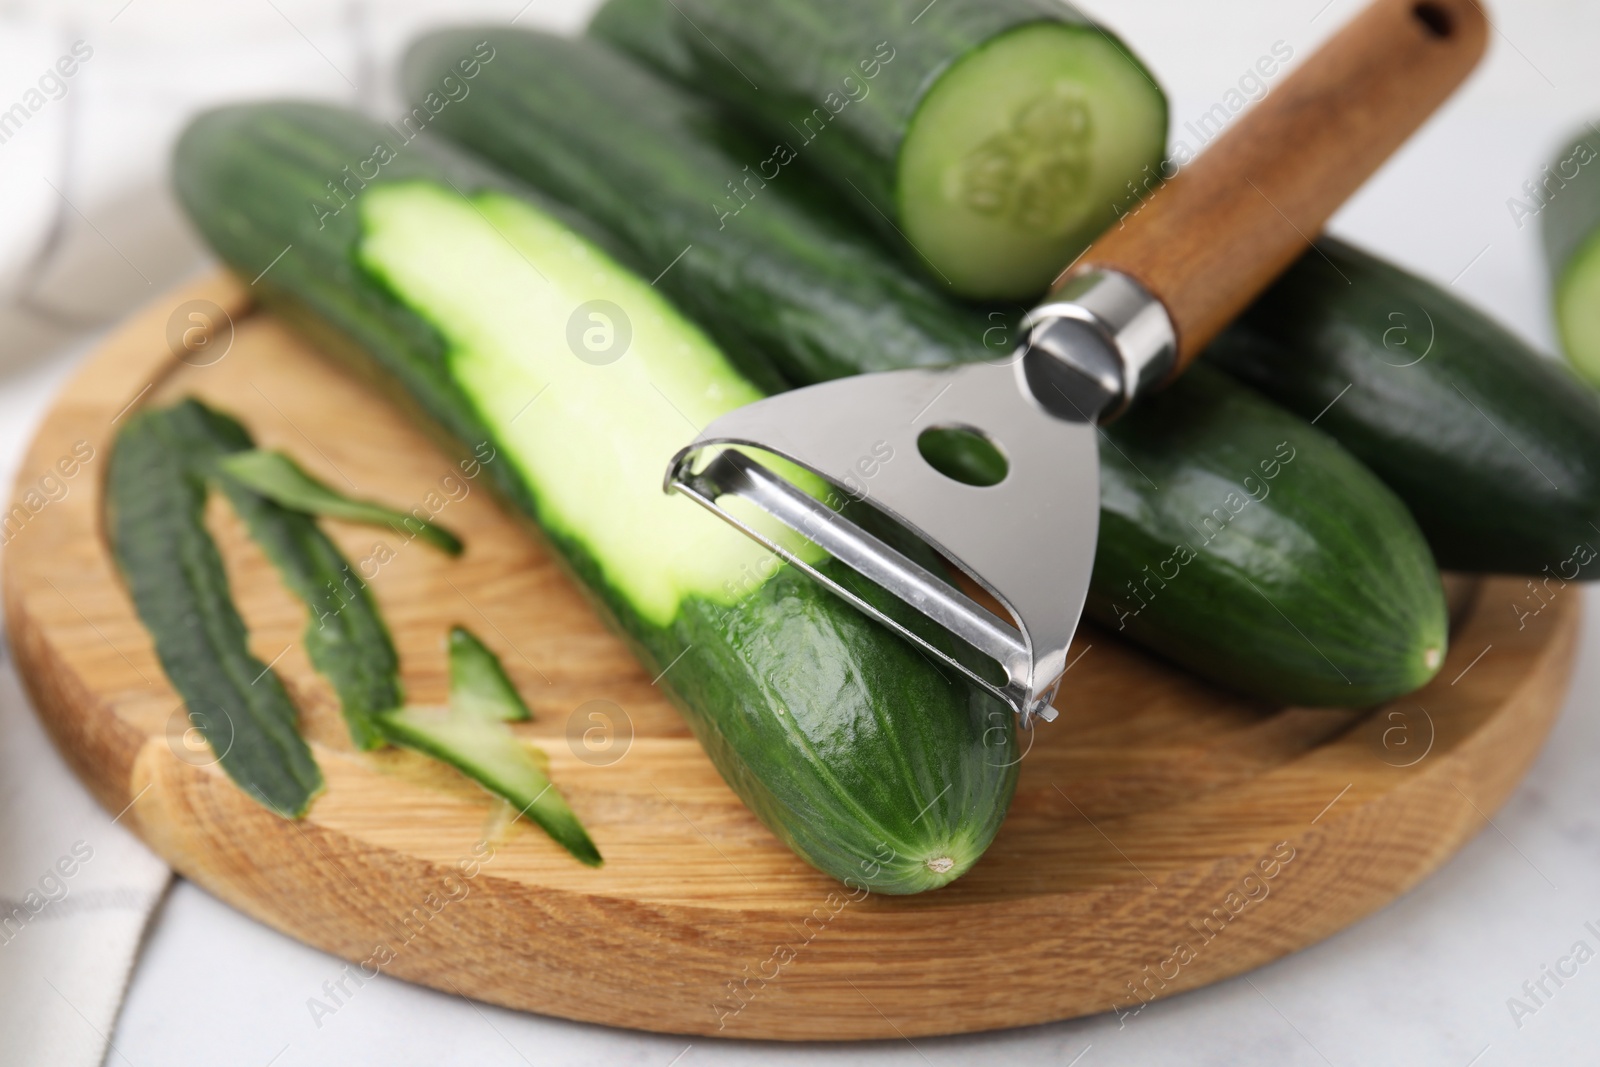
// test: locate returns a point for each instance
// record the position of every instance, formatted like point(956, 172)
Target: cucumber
point(471, 297)
point(566, 115)
point(1494, 448)
point(345, 637)
point(1568, 203)
point(993, 139)
point(1264, 535)
point(643, 160)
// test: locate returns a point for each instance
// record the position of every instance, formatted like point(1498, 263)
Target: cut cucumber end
point(1578, 310)
point(1024, 151)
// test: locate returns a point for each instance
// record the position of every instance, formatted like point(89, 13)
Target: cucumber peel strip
point(280, 479)
point(471, 735)
point(162, 468)
point(478, 681)
point(156, 501)
point(345, 637)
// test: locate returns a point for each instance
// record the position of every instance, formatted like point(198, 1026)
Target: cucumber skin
point(774, 278)
point(478, 678)
point(647, 30)
point(278, 478)
point(355, 653)
point(1569, 226)
point(712, 45)
point(1570, 220)
point(834, 732)
point(1424, 429)
point(156, 500)
point(645, 160)
point(556, 818)
point(345, 637)
point(1271, 589)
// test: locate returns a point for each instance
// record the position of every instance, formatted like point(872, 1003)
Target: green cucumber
point(1568, 203)
point(1494, 448)
point(486, 751)
point(156, 498)
point(648, 163)
point(994, 139)
point(478, 681)
point(284, 482)
point(472, 297)
point(644, 159)
point(1264, 535)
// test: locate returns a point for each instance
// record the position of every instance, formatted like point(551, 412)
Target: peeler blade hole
point(963, 454)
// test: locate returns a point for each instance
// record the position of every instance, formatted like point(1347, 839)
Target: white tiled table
point(1424, 982)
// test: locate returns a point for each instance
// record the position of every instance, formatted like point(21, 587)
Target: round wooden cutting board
point(1165, 834)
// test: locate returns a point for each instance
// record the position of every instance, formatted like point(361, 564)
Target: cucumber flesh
point(490, 754)
point(505, 285)
point(478, 682)
point(1019, 155)
point(1578, 309)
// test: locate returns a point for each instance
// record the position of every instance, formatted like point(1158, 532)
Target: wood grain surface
point(1216, 232)
point(1164, 835)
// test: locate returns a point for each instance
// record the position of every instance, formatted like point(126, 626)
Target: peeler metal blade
point(1029, 541)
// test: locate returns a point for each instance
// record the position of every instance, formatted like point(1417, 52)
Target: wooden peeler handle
point(1211, 239)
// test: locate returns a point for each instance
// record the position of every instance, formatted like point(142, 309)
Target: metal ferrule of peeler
point(1101, 341)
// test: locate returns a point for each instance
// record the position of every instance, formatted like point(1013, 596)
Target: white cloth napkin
point(76, 892)
point(76, 889)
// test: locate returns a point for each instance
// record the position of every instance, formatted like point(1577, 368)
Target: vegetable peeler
point(1136, 308)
